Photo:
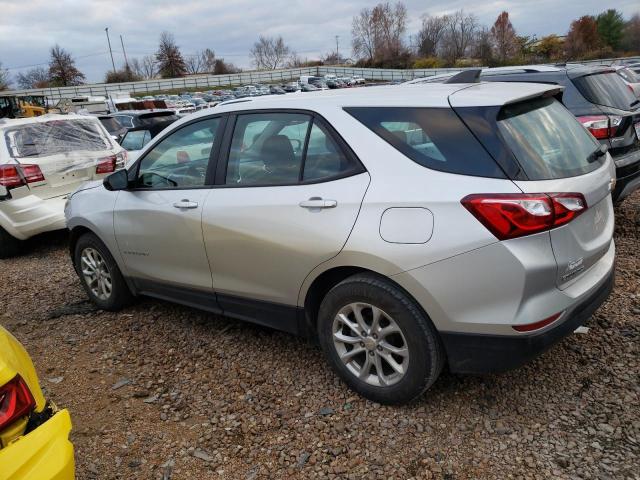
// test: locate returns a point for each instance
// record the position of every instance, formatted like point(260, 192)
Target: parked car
point(275, 90)
point(34, 432)
point(291, 87)
point(111, 125)
point(199, 103)
point(379, 222)
point(358, 80)
point(630, 78)
point(42, 160)
point(143, 118)
point(599, 98)
point(309, 87)
point(136, 138)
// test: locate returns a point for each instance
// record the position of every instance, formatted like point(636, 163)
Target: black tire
point(120, 295)
point(10, 246)
point(426, 354)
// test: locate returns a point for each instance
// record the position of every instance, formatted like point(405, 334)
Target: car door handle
point(184, 203)
point(317, 202)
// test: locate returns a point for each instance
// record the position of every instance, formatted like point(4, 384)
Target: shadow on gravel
point(43, 243)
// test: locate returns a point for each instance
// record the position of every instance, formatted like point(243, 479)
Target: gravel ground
point(163, 391)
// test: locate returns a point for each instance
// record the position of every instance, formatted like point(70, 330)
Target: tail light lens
point(601, 126)
point(111, 163)
point(516, 215)
point(106, 164)
point(12, 176)
point(16, 401)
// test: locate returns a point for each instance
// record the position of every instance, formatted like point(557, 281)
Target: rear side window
point(547, 140)
point(606, 89)
point(432, 137)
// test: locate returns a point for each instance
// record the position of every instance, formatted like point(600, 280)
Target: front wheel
point(100, 275)
point(378, 340)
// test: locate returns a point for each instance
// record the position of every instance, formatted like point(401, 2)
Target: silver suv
point(403, 228)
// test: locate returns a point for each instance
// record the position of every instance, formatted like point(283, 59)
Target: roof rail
point(466, 76)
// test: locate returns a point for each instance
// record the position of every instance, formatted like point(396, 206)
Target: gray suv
point(389, 224)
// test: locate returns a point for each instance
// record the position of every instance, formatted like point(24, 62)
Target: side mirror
point(117, 181)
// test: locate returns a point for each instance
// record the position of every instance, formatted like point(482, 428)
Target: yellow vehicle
point(21, 106)
point(34, 434)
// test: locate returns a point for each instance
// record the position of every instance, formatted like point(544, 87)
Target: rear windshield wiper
point(597, 153)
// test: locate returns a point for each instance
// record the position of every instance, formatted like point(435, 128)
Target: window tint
point(432, 137)
point(135, 139)
point(606, 89)
point(267, 149)
point(547, 140)
point(181, 159)
point(324, 156)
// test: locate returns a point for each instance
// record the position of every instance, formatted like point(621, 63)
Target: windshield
point(111, 124)
point(157, 118)
point(55, 137)
point(547, 140)
point(606, 89)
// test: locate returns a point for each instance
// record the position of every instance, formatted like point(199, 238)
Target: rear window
point(55, 137)
point(432, 137)
point(111, 124)
point(547, 140)
point(606, 89)
point(149, 120)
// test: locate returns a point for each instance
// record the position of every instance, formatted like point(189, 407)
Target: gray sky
point(29, 27)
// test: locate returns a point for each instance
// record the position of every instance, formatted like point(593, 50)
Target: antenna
point(466, 76)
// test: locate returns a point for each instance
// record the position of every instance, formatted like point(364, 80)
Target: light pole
point(126, 62)
point(113, 64)
point(337, 49)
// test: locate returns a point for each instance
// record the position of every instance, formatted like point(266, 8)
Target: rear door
point(285, 201)
point(558, 155)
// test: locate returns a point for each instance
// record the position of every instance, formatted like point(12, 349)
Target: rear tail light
point(529, 327)
point(12, 176)
point(106, 164)
point(516, 215)
point(16, 401)
point(111, 163)
point(601, 126)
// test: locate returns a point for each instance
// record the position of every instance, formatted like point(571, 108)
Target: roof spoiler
point(466, 76)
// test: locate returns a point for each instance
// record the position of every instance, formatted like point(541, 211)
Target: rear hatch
point(555, 154)
point(67, 152)
point(619, 125)
point(559, 156)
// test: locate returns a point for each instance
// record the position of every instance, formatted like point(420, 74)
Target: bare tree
point(503, 37)
point(483, 47)
point(4, 78)
point(631, 34)
point(460, 31)
point(363, 35)
point(37, 77)
point(62, 68)
point(376, 34)
point(208, 59)
point(269, 53)
point(194, 64)
point(145, 69)
point(430, 35)
point(170, 61)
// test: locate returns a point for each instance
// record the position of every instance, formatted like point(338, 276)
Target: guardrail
point(243, 78)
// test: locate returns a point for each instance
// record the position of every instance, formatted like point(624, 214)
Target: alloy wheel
point(96, 273)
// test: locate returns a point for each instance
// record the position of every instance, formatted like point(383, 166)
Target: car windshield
point(56, 137)
point(111, 124)
point(547, 140)
point(606, 89)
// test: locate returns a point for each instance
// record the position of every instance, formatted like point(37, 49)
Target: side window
point(125, 121)
point(324, 157)
point(181, 159)
point(135, 139)
point(267, 149)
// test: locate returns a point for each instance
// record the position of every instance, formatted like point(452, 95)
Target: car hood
point(14, 360)
point(87, 186)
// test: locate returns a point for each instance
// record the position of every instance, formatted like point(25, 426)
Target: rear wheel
point(378, 340)
point(99, 274)
point(9, 245)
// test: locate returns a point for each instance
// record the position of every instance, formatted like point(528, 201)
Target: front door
point(158, 222)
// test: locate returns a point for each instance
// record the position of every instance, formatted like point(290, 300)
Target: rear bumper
point(482, 353)
point(627, 175)
point(44, 453)
point(30, 215)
